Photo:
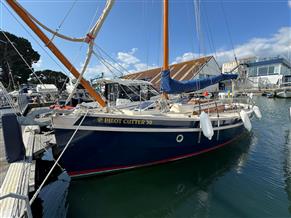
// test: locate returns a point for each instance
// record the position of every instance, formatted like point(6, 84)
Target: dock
point(19, 180)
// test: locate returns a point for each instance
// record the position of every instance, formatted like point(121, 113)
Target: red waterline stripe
point(110, 169)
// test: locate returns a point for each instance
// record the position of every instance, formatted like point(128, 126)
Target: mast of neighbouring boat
point(166, 39)
point(23, 15)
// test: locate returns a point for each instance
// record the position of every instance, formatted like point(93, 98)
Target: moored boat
point(128, 139)
point(284, 89)
point(108, 138)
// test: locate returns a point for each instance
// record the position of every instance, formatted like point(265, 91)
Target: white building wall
point(268, 81)
point(264, 81)
point(227, 67)
point(209, 69)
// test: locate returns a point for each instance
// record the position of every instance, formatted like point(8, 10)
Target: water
point(249, 178)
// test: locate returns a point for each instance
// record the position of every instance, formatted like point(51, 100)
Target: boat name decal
point(124, 121)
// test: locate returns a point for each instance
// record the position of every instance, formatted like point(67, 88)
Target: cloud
point(131, 62)
point(289, 3)
point(141, 66)
point(127, 62)
point(278, 44)
point(128, 57)
point(185, 57)
point(37, 65)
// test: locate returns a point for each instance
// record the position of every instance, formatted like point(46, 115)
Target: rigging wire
point(64, 19)
point(210, 38)
point(53, 31)
point(198, 26)
point(90, 40)
point(191, 31)
point(36, 41)
point(82, 45)
point(106, 63)
point(21, 56)
point(111, 58)
point(228, 31)
point(9, 100)
point(147, 35)
point(39, 44)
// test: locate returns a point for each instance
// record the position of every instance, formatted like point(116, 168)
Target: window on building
point(285, 70)
point(277, 69)
point(263, 71)
point(287, 79)
point(252, 72)
point(271, 70)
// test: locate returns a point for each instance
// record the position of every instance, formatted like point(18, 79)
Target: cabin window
point(263, 71)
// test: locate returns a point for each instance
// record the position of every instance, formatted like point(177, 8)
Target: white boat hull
point(284, 94)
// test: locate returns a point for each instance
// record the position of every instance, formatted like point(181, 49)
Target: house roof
point(180, 71)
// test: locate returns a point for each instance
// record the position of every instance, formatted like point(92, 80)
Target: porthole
point(179, 138)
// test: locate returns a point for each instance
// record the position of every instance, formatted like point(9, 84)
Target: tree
point(10, 59)
point(50, 77)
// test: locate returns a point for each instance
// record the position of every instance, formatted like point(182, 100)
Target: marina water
point(248, 178)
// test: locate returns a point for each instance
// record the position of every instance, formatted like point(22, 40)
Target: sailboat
point(284, 87)
point(107, 139)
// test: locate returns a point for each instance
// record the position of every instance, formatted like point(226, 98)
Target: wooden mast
point(166, 39)
point(19, 10)
point(166, 36)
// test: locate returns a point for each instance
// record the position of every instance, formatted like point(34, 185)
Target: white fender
point(246, 120)
point(206, 125)
point(257, 111)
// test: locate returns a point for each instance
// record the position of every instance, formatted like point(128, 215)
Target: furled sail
point(172, 86)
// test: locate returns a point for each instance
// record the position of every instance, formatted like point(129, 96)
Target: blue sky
point(132, 32)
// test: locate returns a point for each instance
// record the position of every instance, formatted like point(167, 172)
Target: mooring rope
point(57, 161)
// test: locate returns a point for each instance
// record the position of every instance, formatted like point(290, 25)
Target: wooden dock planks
point(19, 179)
point(16, 182)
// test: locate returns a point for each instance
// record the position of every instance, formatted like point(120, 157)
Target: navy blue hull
point(104, 151)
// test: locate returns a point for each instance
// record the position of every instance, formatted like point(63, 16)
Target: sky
point(131, 34)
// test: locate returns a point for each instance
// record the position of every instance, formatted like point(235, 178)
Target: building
point(268, 72)
point(194, 69)
point(229, 66)
point(261, 72)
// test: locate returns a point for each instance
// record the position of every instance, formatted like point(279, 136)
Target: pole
point(166, 40)
point(166, 36)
